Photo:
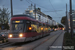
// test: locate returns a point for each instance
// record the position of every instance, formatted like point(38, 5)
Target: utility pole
point(40, 15)
point(71, 22)
point(66, 20)
point(52, 22)
point(11, 8)
point(35, 10)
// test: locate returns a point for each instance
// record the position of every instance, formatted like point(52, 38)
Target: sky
point(55, 8)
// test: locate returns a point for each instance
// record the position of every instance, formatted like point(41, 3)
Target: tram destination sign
point(17, 21)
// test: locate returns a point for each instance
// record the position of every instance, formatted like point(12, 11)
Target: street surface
point(54, 39)
point(58, 43)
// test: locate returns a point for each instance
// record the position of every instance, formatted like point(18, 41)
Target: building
point(73, 19)
point(38, 15)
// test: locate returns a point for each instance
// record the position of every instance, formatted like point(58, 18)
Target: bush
point(2, 41)
point(5, 26)
point(67, 39)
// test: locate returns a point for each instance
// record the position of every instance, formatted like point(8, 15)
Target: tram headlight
point(21, 35)
point(10, 35)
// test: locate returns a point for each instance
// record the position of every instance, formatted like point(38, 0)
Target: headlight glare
point(10, 35)
point(20, 35)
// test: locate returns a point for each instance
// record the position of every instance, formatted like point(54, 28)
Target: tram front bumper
point(16, 39)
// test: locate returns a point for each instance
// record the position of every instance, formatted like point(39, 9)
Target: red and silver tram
point(26, 28)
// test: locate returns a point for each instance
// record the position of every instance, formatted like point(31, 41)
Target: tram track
point(54, 41)
point(46, 40)
point(5, 44)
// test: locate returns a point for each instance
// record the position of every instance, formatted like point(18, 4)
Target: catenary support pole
point(66, 20)
point(11, 8)
point(71, 22)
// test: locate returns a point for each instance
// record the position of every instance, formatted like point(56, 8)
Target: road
point(40, 44)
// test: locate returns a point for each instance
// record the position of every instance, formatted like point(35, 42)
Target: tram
point(25, 28)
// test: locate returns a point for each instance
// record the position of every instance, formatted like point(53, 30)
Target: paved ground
point(58, 43)
point(48, 44)
point(40, 44)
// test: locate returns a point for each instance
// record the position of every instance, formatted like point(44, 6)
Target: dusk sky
point(19, 7)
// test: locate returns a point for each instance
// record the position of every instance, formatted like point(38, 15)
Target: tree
point(4, 15)
point(55, 26)
point(63, 20)
point(4, 18)
point(51, 26)
point(59, 25)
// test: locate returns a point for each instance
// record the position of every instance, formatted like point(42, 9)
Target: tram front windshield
point(17, 27)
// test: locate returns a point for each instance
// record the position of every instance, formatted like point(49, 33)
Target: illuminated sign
point(19, 21)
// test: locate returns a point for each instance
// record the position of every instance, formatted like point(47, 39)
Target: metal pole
point(11, 8)
point(52, 22)
point(40, 17)
point(71, 22)
point(40, 14)
point(35, 10)
point(66, 20)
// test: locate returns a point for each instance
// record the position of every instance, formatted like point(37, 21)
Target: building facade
point(38, 15)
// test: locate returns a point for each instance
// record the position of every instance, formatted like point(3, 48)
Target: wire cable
point(45, 7)
point(38, 5)
point(28, 1)
point(53, 7)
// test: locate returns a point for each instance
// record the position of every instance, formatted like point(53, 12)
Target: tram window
point(28, 24)
point(40, 27)
point(34, 26)
point(27, 21)
point(33, 22)
point(40, 24)
point(17, 27)
point(44, 27)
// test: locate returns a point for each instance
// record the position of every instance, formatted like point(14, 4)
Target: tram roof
point(23, 15)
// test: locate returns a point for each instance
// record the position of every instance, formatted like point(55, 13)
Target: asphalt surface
point(40, 44)
point(58, 44)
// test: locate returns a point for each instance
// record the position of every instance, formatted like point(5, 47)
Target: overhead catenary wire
point(35, 3)
point(47, 8)
point(44, 7)
point(27, 1)
point(38, 5)
point(52, 11)
point(53, 8)
point(52, 5)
